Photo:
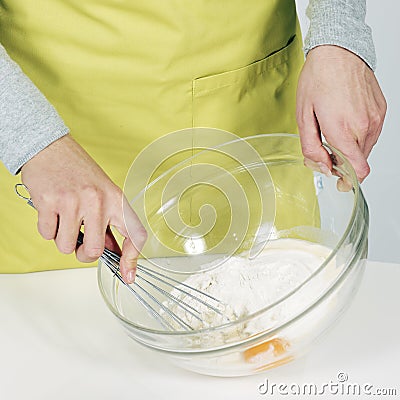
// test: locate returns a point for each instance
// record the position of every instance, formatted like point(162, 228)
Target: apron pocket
point(261, 98)
point(257, 98)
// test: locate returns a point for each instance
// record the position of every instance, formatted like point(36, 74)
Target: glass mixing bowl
point(284, 199)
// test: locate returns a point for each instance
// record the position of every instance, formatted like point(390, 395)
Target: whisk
point(148, 278)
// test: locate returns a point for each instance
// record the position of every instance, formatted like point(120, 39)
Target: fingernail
point(324, 169)
point(310, 164)
point(131, 276)
point(318, 167)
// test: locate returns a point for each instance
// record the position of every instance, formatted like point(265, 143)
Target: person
point(121, 74)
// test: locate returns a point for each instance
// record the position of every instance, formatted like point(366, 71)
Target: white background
point(382, 187)
point(59, 341)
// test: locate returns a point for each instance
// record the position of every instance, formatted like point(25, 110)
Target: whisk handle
point(79, 241)
point(17, 188)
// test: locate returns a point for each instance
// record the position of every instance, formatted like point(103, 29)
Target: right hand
point(68, 188)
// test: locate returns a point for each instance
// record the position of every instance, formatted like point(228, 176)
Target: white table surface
point(58, 340)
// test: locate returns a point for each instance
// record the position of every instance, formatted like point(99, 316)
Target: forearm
point(28, 122)
point(341, 23)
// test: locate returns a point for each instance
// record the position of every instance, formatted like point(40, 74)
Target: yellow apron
point(123, 73)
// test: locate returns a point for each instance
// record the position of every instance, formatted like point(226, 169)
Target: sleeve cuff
point(16, 165)
point(28, 122)
point(340, 23)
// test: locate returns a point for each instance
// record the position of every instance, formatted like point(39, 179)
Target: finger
point(311, 143)
point(47, 223)
point(377, 118)
point(128, 225)
point(111, 243)
point(68, 230)
point(128, 261)
point(344, 184)
point(132, 226)
point(374, 131)
point(379, 98)
point(94, 239)
point(318, 167)
point(371, 140)
point(351, 150)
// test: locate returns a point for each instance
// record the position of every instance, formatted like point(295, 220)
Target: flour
point(246, 287)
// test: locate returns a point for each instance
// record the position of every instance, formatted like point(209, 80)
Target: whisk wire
point(173, 298)
point(112, 261)
point(151, 310)
point(164, 279)
point(182, 304)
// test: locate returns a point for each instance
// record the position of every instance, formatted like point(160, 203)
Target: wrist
point(336, 54)
point(50, 149)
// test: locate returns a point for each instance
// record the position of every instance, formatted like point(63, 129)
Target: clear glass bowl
point(297, 203)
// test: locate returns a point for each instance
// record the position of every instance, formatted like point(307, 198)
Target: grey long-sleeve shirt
point(29, 123)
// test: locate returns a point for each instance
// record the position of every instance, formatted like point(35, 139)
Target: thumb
point(135, 238)
point(128, 261)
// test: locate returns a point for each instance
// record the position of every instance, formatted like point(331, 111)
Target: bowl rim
point(349, 171)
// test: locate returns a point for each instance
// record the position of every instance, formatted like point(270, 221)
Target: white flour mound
point(246, 286)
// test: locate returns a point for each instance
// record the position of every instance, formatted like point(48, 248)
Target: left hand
point(339, 96)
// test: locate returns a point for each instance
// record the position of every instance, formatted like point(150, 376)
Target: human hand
point(67, 189)
point(339, 96)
